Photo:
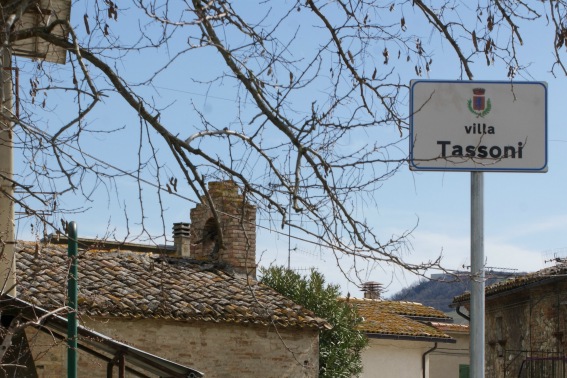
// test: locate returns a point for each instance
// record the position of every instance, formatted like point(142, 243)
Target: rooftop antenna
point(555, 255)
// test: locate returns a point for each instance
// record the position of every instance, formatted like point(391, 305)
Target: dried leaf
point(488, 46)
point(350, 57)
point(474, 41)
point(403, 23)
point(490, 22)
point(560, 40)
point(417, 71)
point(386, 55)
point(86, 20)
point(112, 10)
point(374, 74)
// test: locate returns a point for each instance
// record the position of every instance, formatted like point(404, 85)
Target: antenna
point(304, 269)
point(555, 255)
point(49, 203)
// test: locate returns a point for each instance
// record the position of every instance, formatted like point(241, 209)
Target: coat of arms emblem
point(479, 105)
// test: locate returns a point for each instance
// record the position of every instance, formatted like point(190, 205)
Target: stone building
point(196, 303)
point(525, 324)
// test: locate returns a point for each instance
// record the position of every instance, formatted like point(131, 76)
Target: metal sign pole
point(477, 276)
point(72, 300)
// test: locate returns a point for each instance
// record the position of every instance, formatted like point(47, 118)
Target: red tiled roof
point(400, 319)
point(147, 285)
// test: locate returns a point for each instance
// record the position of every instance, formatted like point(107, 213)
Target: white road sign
point(478, 126)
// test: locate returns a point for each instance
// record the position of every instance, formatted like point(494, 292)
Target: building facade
point(525, 325)
point(408, 339)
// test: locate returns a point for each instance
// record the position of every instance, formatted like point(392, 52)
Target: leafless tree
point(317, 118)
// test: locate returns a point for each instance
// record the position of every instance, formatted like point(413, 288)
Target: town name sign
point(478, 126)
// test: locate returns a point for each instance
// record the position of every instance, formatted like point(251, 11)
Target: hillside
point(438, 292)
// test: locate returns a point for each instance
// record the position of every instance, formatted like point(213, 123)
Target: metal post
point(72, 300)
point(7, 238)
point(477, 276)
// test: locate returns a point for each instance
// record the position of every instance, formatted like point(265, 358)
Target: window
point(464, 371)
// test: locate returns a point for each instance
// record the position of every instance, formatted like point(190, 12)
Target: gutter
point(448, 339)
point(462, 314)
point(423, 359)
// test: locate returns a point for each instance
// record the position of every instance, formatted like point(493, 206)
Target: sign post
point(477, 276)
point(478, 126)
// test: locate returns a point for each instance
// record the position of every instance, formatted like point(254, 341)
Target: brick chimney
point(238, 225)
point(372, 290)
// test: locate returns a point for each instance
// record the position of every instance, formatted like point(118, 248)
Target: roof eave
point(430, 319)
point(513, 290)
point(388, 336)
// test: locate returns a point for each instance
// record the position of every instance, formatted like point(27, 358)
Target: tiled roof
point(147, 285)
point(400, 319)
point(535, 278)
point(450, 327)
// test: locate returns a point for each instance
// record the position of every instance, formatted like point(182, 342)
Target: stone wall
point(216, 349)
point(527, 323)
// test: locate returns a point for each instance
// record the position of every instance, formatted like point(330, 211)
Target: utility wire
point(132, 175)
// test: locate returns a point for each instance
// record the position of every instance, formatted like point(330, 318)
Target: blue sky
point(525, 213)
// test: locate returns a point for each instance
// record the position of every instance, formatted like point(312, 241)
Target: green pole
point(72, 292)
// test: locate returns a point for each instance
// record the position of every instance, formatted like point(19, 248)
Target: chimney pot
point(182, 239)
point(372, 290)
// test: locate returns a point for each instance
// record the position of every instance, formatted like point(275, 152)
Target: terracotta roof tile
point(403, 319)
point(517, 282)
point(448, 327)
point(147, 285)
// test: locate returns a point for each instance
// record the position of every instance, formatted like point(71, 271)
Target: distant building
point(408, 340)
